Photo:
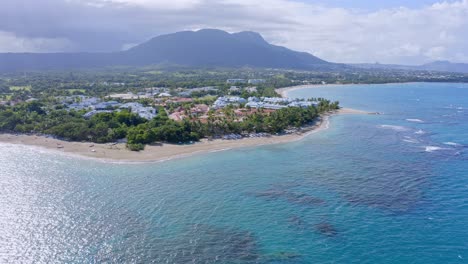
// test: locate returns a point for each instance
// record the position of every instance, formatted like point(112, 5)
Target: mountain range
point(203, 48)
point(438, 66)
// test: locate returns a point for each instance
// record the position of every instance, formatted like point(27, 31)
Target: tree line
point(34, 117)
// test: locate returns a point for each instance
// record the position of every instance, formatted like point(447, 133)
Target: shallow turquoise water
point(370, 189)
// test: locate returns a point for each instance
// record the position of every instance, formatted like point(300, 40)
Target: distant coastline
point(165, 152)
point(284, 91)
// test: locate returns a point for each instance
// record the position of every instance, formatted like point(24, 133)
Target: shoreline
point(118, 153)
point(285, 90)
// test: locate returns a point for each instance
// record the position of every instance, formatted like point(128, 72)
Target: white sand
point(118, 152)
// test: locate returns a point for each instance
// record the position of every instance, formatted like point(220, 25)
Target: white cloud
point(153, 4)
point(397, 35)
point(128, 46)
point(9, 42)
point(436, 53)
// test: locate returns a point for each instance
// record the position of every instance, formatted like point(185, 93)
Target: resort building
point(137, 108)
point(251, 89)
point(106, 105)
point(276, 103)
point(93, 112)
point(224, 101)
point(234, 81)
point(165, 95)
point(256, 81)
point(79, 102)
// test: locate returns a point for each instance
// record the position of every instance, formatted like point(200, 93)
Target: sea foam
point(415, 120)
point(453, 144)
point(395, 128)
point(420, 132)
point(433, 148)
point(410, 140)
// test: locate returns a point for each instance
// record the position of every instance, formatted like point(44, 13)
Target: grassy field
point(76, 90)
point(20, 88)
point(184, 75)
point(154, 72)
point(6, 97)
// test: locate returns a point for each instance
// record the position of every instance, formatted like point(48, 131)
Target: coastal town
point(237, 109)
point(234, 131)
point(155, 97)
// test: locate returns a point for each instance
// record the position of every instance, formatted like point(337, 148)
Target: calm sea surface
point(389, 188)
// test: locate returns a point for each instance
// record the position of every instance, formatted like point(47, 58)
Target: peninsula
point(118, 152)
point(161, 123)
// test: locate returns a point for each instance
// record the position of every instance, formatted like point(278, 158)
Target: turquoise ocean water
point(389, 188)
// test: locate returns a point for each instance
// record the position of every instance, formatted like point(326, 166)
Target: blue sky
point(347, 31)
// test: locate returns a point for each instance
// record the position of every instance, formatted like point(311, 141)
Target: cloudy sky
point(391, 31)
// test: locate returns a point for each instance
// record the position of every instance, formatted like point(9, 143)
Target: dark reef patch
point(326, 229)
point(304, 199)
point(209, 244)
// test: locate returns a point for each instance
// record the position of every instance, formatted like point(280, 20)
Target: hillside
point(203, 48)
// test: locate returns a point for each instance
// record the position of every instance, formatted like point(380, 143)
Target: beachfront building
point(277, 100)
point(256, 81)
point(224, 101)
point(106, 105)
point(303, 104)
point(265, 105)
point(276, 103)
point(137, 108)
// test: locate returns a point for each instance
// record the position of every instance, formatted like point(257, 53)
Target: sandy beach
point(285, 90)
point(163, 152)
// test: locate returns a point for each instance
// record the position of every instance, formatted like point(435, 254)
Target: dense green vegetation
point(34, 117)
point(68, 125)
point(30, 102)
point(16, 86)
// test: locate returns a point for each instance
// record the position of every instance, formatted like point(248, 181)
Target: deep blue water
point(370, 189)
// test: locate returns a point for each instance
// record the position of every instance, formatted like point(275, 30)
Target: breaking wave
point(395, 128)
point(433, 148)
point(453, 144)
point(415, 120)
point(420, 132)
